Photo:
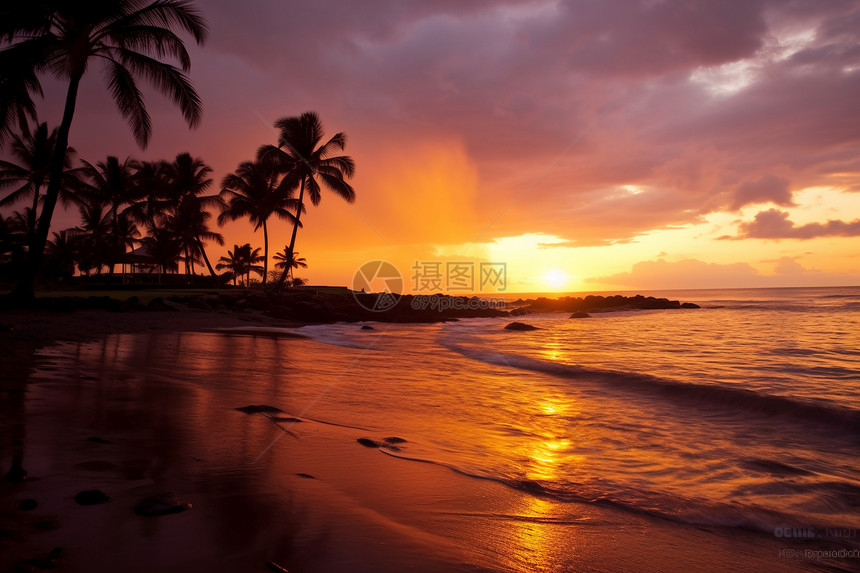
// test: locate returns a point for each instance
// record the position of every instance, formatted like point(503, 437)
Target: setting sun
point(555, 278)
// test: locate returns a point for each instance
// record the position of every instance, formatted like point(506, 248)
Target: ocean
point(744, 413)
point(741, 415)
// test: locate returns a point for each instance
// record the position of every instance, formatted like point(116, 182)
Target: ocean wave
point(709, 396)
point(700, 512)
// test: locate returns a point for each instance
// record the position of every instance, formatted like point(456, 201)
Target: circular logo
point(377, 286)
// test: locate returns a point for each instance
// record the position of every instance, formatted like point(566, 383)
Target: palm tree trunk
point(265, 252)
point(26, 287)
point(205, 258)
point(289, 252)
point(31, 221)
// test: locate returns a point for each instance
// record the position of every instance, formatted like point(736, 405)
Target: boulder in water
point(580, 315)
point(690, 305)
point(367, 327)
point(259, 409)
point(521, 326)
point(92, 497)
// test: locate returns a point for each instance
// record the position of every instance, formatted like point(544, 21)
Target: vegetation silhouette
point(257, 190)
point(62, 38)
point(307, 162)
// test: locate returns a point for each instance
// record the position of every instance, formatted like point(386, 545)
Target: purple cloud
point(775, 224)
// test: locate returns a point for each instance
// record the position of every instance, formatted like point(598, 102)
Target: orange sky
point(589, 146)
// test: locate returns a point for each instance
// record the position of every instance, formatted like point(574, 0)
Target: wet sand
point(318, 502)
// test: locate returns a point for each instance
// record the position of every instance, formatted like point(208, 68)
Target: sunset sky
point(588, 145)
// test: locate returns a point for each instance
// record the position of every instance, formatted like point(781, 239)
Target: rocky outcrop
point(521, 326)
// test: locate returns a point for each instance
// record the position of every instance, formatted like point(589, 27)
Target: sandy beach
point(313, 501)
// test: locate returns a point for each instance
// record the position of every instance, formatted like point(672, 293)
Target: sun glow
point(555, 278)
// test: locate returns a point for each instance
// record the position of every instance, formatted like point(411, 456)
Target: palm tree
point(112, 184)
point(33, 151)
point(241, 261)
point(306, 163)
point(290, 261)
point(256, 190)
point(189, 177)
point(94, 236)
point(63, 38)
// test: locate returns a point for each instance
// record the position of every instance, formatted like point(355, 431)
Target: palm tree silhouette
point(257, 191)
point(189, 178)
point(241, 261)
point(289, 261)
point(306, 163)
point(33, 150)
point(112, 184)
point(63, 38)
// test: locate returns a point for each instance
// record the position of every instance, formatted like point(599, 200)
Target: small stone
point(306, 476)
point(28, 504)
point(367, 327)
point(259, 409)
point(92, 497)
point(368, 443)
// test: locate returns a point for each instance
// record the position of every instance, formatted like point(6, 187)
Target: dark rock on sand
point(92, 497)
point(306, 476)
point(690, 305)
point(16, 474)
point(395, 440)
point(259, 409)
point(580, 315)
point(161, 504)
point(28, 504)
point(520, 326)
point(368, 443)
point(367, 327)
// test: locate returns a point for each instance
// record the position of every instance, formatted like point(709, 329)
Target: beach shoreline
point(361, 510)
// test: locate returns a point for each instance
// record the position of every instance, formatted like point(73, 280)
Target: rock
point(368, 443)
point(28, 504)
point(92, 497)
point(580, 315)
point(259, 409)
point(161, 504)
point(520, 326)
point(690, 305)
point(518, 311)
point(394, 440)
point(367, 327)
point(306, 476)
point(16, 474)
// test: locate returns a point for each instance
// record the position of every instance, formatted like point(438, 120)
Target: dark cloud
point(767, 188)
point(703, 106)
point(775, 224)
